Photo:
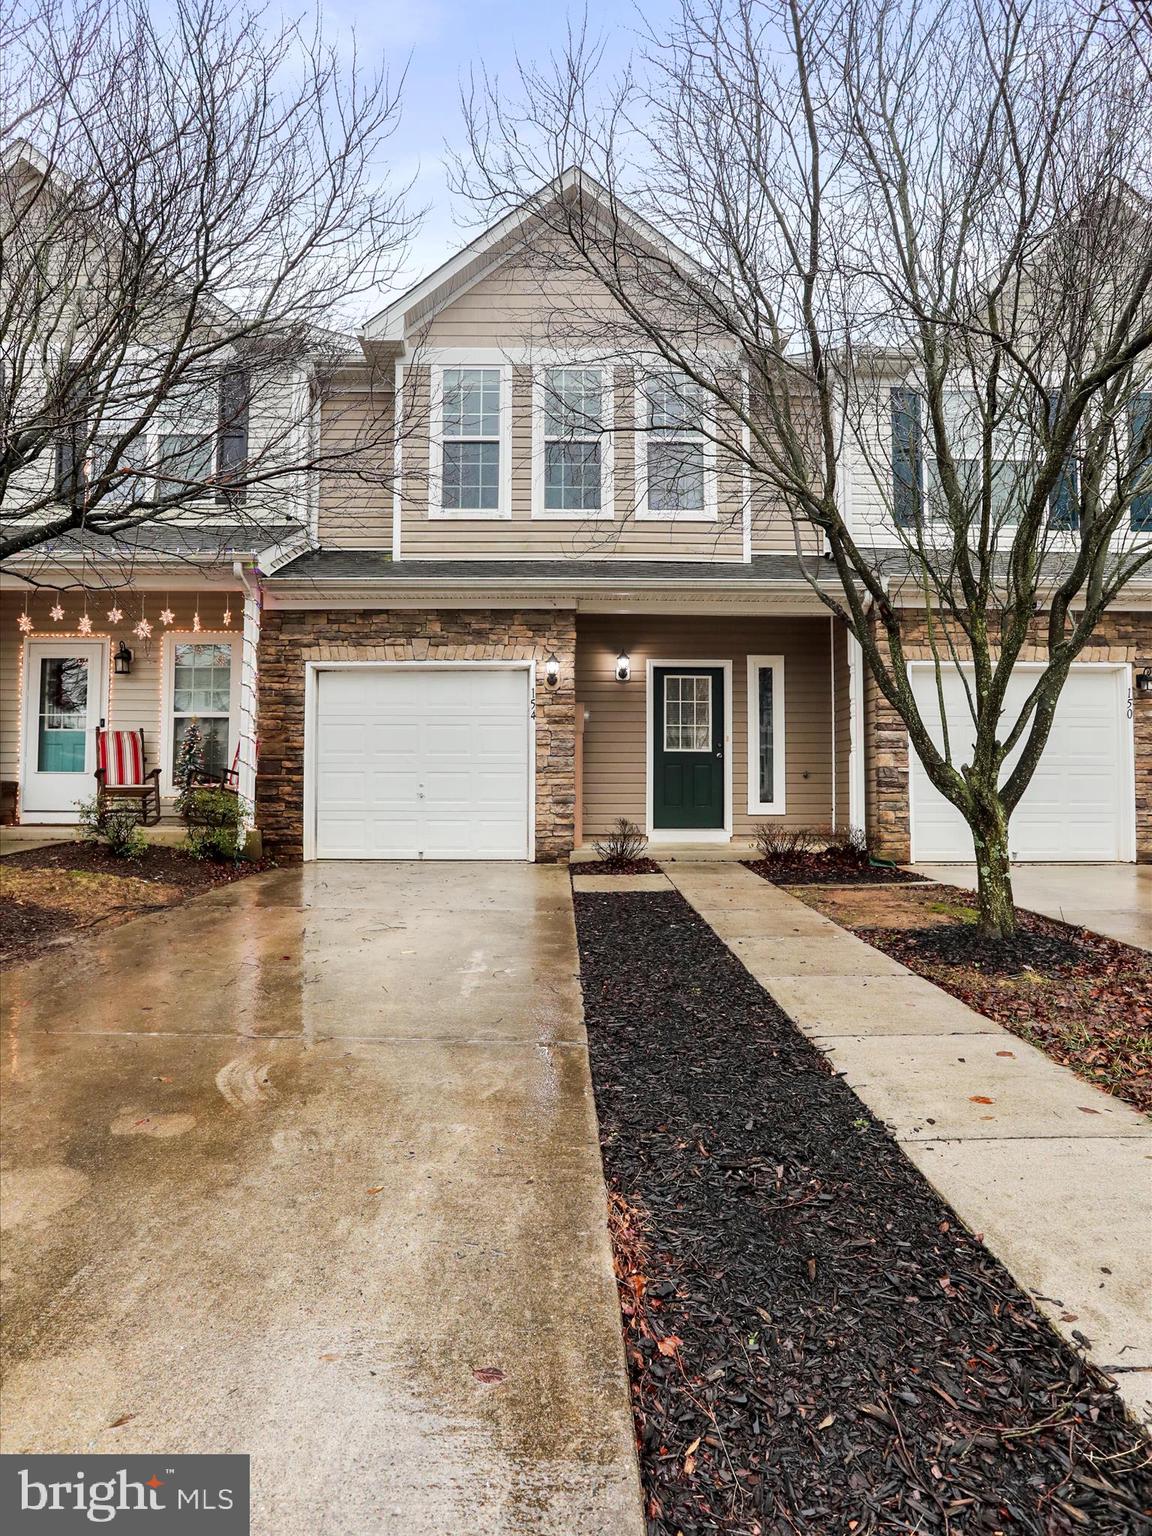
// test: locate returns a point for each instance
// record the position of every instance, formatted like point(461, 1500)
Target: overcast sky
point(441, 40)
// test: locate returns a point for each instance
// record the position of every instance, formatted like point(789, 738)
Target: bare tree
point(919, 242)
point(190, 210)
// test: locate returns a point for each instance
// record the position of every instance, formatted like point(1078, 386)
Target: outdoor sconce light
point(1144, 682)
point(552, 670)
point(623, 667)
point(122, 661)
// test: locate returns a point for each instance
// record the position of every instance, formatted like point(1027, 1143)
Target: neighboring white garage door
point(1078, 807)
point(422, 763)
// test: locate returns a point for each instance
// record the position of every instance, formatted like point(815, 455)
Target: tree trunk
point(989, 827)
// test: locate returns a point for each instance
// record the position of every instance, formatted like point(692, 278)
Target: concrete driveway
point(1115, 899)
point(287, 1167)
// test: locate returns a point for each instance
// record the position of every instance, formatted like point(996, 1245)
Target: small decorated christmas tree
point(189, 757)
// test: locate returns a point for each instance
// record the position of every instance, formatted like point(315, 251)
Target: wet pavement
point(287, 1167)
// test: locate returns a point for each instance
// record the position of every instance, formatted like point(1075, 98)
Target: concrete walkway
point(1054, 1174)
point(1114, 899)
point(287, 1168)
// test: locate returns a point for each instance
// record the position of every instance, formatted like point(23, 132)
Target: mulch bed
point(1084, 999)
point(827, 869)
point(815, 1344)
point(617, 867)
point(75, 887)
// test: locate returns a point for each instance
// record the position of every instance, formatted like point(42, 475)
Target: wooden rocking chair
point(121, 781)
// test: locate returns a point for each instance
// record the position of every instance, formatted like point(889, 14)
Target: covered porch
point(148, 652)
point(699, 727)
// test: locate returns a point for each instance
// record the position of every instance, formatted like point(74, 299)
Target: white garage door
point(1078, 806)
point(422, 763)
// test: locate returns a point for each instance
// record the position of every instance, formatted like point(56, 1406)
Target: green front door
point(688, 748)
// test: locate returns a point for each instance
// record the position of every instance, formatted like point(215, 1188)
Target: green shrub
point(119, 830)
point(215, 819)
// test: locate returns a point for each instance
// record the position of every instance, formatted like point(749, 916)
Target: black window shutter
point(69, 478)
point(1140, 460)
point(1063, 498)
point(232, 437)
point(907, 458)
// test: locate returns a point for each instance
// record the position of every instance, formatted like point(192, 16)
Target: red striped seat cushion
point(121, 755)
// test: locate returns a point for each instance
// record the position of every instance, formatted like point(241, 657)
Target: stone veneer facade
point(1124, 637)
point(291, 637)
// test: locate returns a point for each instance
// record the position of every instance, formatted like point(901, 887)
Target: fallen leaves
point(690, 1457)
point(123, 1419)
point(952, 1394)
point(979, 1098)
point(1084, 999)
point(490, 1375)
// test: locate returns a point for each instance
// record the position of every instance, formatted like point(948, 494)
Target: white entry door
point(423, 763)
point(1078, 807)
point(65, 683)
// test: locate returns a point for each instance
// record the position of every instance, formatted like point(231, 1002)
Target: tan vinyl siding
point(615, 734)
point(520, 535)
point(134, 701)
point(524, 303)
point(356, 482)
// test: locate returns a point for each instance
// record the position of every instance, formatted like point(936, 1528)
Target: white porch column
point(246, 766)
point(857, 791)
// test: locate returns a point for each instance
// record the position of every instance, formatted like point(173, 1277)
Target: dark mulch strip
point(165, 866)
point(27, 928)
point(815, 1344)
point(617, 867)
point(825, 869)
point(1084, 999)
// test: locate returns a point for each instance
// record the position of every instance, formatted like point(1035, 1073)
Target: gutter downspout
point(246, 762)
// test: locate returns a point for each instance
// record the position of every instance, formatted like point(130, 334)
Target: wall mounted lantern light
point(623, 667)
point(122, 661)
point(1144, 682)
point(552, 670)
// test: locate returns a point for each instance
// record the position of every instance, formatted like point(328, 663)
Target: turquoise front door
point(65, 683)
point(688, 748)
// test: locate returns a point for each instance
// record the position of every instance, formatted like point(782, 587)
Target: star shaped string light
point(196, 622)
point(166, 616)
point(56, 613)
point(227, 619)
point(143, 630)
point(24, 624)
point(115, 615)
point(84, 624)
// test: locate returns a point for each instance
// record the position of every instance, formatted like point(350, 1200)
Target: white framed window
point(200, 681)
point(687, 712)
point(676, 459)
point(470, 468)
point(766, 735)
point(572, 456)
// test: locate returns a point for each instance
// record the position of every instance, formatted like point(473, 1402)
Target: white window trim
point(685, 834)
point(662, 724)
point(607, 508)
point(172, 639)
point(436, 508)
point(775, 806)
point(644, 512)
